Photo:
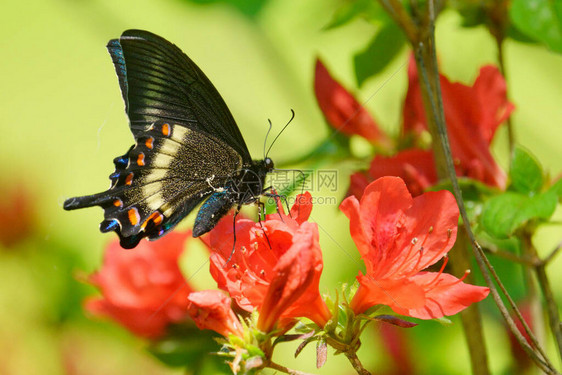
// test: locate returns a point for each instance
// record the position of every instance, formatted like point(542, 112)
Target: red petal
point(140, 321)
point(472, 115)
point(302, 208)
point(294, 272)
point(143, 289)
point(415, 167)
point(373, 222)
point(428, 231)
point(358, 181)
point(399, 294)
point(444, 295)
point(343, 112)
point(490, 89)
point(310, 304)
point(210, 309)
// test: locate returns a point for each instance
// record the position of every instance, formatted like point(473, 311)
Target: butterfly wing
point(168, 172)
point(159, 82)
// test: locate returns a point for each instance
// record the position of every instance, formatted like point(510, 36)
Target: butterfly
point(188, 148)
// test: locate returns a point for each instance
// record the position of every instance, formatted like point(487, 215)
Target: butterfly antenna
point(267, 135)
point(282, 130)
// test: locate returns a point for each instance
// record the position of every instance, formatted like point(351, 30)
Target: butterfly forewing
point(159, 82)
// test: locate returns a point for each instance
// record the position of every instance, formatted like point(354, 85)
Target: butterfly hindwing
point(159, 82)
point(162, 178)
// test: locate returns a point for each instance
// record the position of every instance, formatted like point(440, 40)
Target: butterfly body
point(188, 149)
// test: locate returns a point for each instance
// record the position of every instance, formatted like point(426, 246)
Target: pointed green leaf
point(504, 214)
point(382, 49)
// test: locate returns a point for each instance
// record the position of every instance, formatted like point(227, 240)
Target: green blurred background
point(63, 122)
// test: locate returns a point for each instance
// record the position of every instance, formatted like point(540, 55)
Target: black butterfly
point(188, 147)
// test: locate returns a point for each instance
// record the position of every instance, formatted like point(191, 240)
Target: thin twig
point(498, 15)
point(544, 283)
point(401, 17)
point(552, 254)
point(523, 260)
point(284, 369)
point(356, 363)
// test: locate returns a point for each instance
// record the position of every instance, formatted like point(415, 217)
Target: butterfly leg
point(236, 212)
point(283, 199)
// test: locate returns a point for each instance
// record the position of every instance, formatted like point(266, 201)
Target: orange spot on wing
point(156, 217)
point(118, 203)
point(149, 143)
point(134, 217)
point(140, 160)
point(166, 130)
point(129, 179)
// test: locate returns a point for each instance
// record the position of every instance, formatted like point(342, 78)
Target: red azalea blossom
point(144, 289)
point(210, 309)
point(281, 282)
point(397, 237)
point(343, 112)
point(473, 115)
point(416, 167)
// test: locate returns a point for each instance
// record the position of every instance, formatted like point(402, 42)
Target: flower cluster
point(472, 113)
point(269, 277)
point(144, 290)
point(274, 268)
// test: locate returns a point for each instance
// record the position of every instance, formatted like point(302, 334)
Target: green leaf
point(473, 13)
point(512, 244)
point(526, 173)
point(382, 49)
point(351, 10)
point(189, 347)
point(505, 213)
point(539, 19)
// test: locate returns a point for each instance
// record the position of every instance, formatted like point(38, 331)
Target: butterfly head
point(268, 164)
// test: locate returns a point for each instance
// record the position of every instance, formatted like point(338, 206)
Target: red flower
point(416, 167)
point(473, 115)
point(343, 112)
point(16, 214)
point(280, 281)
point(210, 309)
point(143, 289)
point(398, 236)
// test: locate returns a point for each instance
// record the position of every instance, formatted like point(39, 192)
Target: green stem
point(499, 19)
point(356, 363)
point(471, 318)
point(544, 283)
